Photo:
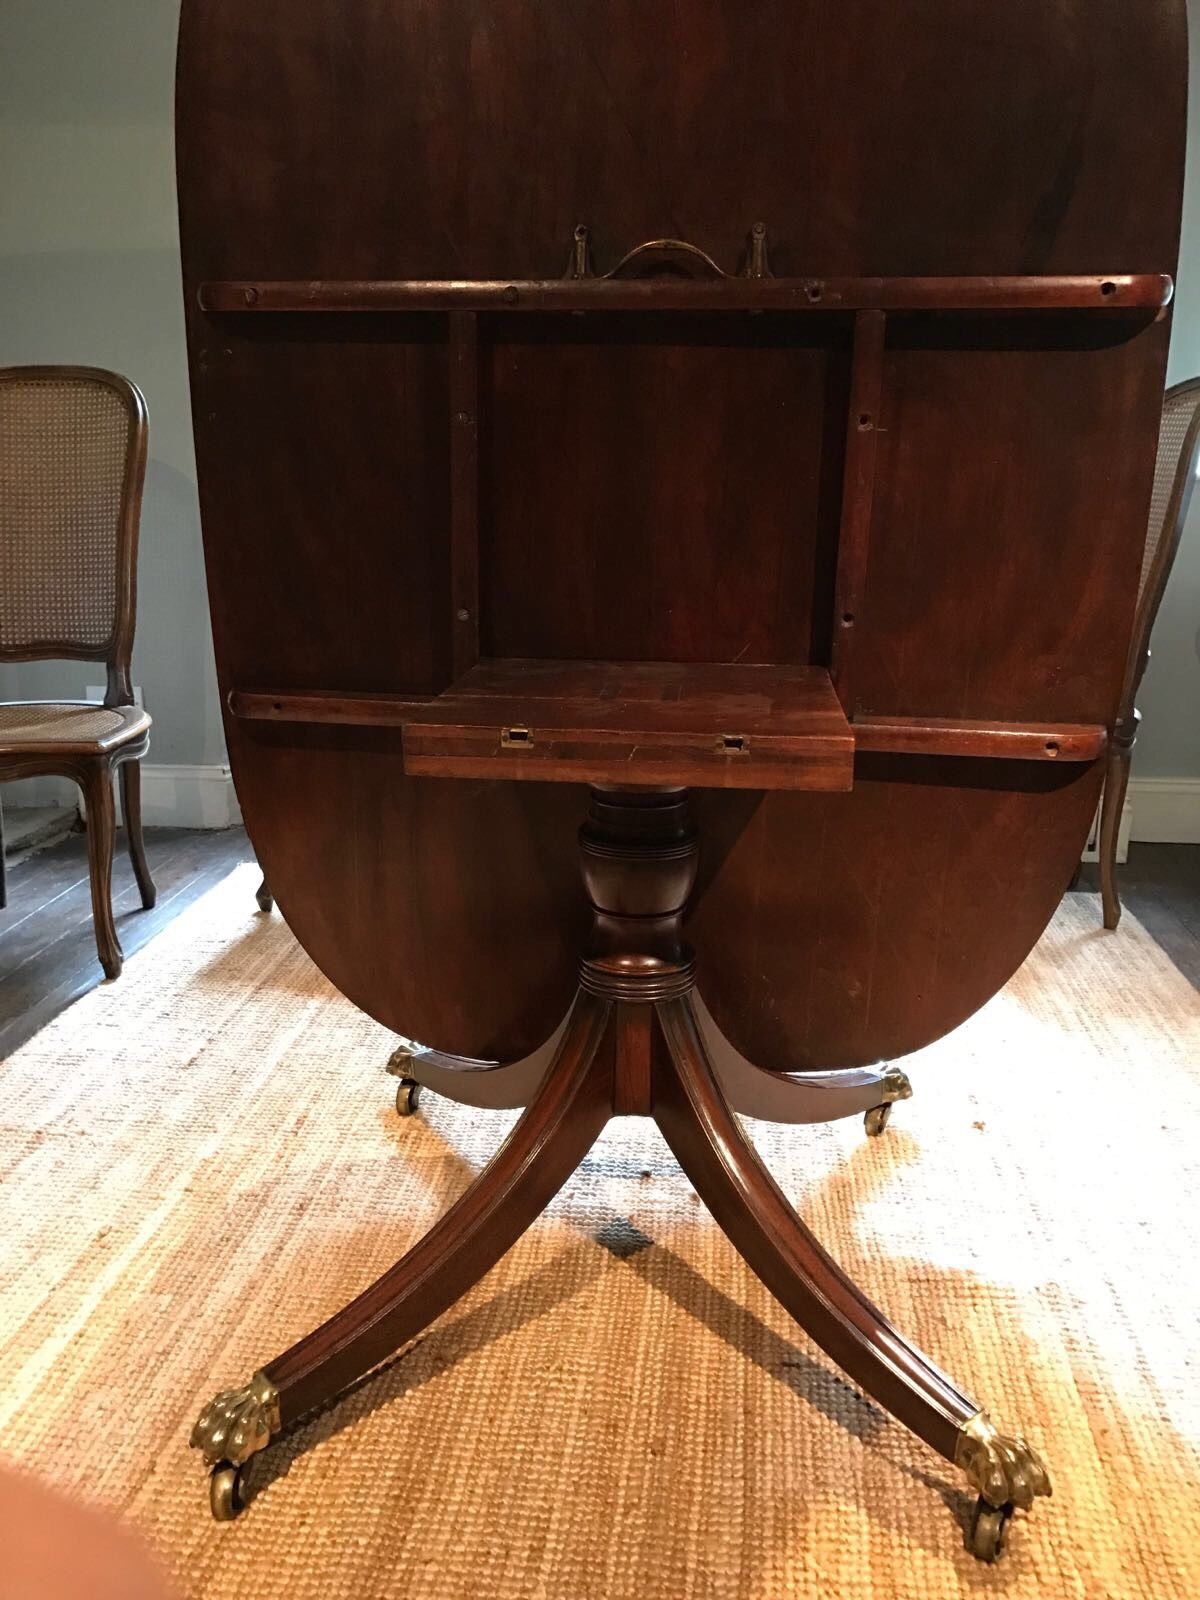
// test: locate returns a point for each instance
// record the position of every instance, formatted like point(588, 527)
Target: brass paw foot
point(1008, 1474)
point(232, 1427)
point(894, 1086)
point(408, 1090)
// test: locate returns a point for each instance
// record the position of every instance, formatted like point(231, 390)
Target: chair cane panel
point(1180, 410)
point(73, 446)
point(65, 444)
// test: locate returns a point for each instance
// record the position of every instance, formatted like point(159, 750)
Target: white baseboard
point(1165, 810)
point(1091, 850)
point(182, 797)
point(188, 797)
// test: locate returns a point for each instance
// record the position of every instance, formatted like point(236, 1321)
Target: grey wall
point(89, 273)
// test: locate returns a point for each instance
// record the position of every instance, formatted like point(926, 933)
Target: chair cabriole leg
point(131, 810)
point(95, 779)
point(1116, 784)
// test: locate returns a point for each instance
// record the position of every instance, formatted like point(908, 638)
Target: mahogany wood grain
point(316, 706)
point(862, 432)
point(632, 1060)
point(811, 1096)
point(603, 722)
point(666, 485)
point(977, 603)
point(946, 736)
point(751, 1208)
point(464, 488)
point(491, 938)
point(706, 454)
point(903, 908)
point(949, 736)
point(640, 512)
point(491, 1085)
point(633, 1043)
point(1093, 291)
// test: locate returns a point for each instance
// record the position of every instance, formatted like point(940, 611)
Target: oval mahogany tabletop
point(945, 507)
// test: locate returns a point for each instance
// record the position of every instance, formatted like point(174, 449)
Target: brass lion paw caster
point(1008, 1473)
point(234, 1426)
point(895, 1087)
point(408, 1090)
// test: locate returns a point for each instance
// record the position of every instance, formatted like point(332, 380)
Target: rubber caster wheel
point(989, 1525)
point(225, 1492)
point(877, 1119)
point(408, 1097)
point(266, 900)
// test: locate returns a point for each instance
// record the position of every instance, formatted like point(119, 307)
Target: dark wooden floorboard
point(48, 951)
point(47, 946)
point(1160, 886)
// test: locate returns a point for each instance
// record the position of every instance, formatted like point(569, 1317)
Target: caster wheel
point(989, 1524)
point(266, 900)
point(225, 1492)
point(877, 1119)
point(408, 1097)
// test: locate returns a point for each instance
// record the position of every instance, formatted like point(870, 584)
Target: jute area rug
point(201, 1161)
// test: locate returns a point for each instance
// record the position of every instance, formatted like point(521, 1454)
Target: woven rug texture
point(200, 1162)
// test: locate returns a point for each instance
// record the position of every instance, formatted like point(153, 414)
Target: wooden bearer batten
point(868, 299)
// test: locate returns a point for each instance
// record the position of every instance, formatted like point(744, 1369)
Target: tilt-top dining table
point(673, 479)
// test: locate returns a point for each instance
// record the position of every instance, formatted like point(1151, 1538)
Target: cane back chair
point(1176, 469)
point(72, 464)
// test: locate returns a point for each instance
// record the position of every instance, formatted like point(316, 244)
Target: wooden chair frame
point(85, 764)
point(1125, 728)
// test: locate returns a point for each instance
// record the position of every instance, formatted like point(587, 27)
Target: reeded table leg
point(548, 1143)
point(743, 1197)
point(637, 979)
point(816, 1096)
point(491, 1085)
